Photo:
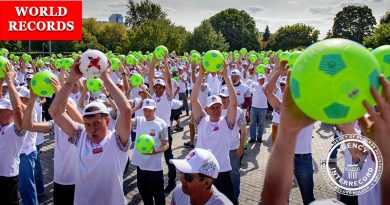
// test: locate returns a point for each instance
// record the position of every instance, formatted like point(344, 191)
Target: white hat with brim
point(101, 108)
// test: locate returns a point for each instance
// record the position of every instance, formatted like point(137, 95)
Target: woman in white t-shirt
point(150, 177)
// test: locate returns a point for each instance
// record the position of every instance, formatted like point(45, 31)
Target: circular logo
point(353, 165)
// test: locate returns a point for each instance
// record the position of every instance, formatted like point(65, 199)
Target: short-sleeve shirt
point(11, 142)
point(180, 198)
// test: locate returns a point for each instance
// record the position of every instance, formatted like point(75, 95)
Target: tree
point(380, 37)
point(112, 36)
point(138, 13)
point(11, 46)
point(156, 32)
point(354, 23)
point(385, 18)
point(206, 38)
point(238, 28)
point(266, 34)
point(293, 36)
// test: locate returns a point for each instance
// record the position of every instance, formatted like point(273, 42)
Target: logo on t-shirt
point(97, 150)
point(238, 93)
point(152, 132)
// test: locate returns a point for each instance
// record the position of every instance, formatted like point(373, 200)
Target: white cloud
point(255, 9)
point(322, 10)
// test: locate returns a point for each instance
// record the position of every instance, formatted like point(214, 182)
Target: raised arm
point(17, 105)
point(232, 109)
point(28, 123)
point(151, 73)
point(270, 87)
point(124, 108)
point(167, 77)
point(197, 109)
point(57, 109)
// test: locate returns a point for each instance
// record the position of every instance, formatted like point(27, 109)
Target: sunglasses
point(282, 84)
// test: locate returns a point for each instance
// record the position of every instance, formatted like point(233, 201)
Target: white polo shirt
point(242, 91)
point(240, 121)
point(11, 144)
point(259, 99)
point(303, 145)
point(164, 106)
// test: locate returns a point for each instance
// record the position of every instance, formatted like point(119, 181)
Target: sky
point(274, 13)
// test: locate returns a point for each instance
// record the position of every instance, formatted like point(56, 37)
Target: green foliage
point(112, 36)
point(206, 38)
point(138, 13)
point(11, 45)
point(385, 18)
point(380, 37)
point(293, 36)
point(152, 33)
point(238, 28)
point(354, 23)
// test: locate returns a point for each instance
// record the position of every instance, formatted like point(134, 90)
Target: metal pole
point(29, 47)
point(50, 48)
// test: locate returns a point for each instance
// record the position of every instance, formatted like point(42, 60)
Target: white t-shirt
point(111, 125)
point(164, 106)
point(215, 136)
point(240, 121)
point(38, 111)
point(31, 139)
point(180, 198)
point(175, 86)
point(276, 115)
point(204, 93)
point(64, 157)
point(134, 93)
point(242, 91)
point(214, 84)
point(176, 104)
point(157, 129)
point(303, 145)
point(10, 148)
point(99, 172)
point(182, 85)
point(259, 99)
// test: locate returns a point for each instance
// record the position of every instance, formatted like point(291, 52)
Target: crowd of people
point(93, 133)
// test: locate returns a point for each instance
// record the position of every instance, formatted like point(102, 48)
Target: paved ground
point(252, 170)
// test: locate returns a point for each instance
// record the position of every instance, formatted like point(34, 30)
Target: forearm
point(280, 168)
point(117, 94)
point(243, 136)
point(232, 93)
point(247, 103)
point(59, 102)
point(161, 149)
point(27, 118)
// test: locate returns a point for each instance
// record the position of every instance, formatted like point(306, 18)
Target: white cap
point(101, 98)
point(148, 104)
point(101, 108)
point(133, 72)
point(23, 92)
point(198, 161)
point(159, 82)
point(260, 76)
point(119, 82)
point(211, 100)
point(5, 104)
point(236, 72)
point(224, 92)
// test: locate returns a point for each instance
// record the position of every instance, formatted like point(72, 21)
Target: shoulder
point(219, 198)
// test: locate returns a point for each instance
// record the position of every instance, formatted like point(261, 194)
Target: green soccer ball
point(183, 59)
point(382, 55)
point(252, 58)
point(212, 61)
point(160, 52)
point(26, 57)
point(66, 63)
point(57, 63)
point(195, 58)
point(293, 58)
point(260, 69)
point(284, 56)
point(130, 59)
point(331, 79)
point(136, 80)
point(144, 144)
point(115, 64)
point(265, 61)
point(94, 84)
point(41, 83)
point(3, 66)
point(243, 51)
point(75, 55)
point(39, 63)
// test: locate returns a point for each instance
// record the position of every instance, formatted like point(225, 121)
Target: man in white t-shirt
point(183, 79)
point(258, 110)
point(162, 95)
point(214, 131)
point(101, 154)
point(150, 177)
point(12, 138)
point(199, 170)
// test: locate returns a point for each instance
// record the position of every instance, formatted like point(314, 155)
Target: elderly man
point(101, 154)
point(215, 130)
point(199, 170)
point(11, 141)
